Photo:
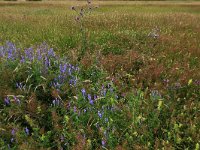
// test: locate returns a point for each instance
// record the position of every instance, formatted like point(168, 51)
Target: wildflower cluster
point(46, 85)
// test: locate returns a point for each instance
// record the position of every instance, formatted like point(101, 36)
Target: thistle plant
point(81, 14)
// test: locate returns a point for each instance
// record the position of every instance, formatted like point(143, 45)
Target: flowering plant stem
point(84, 42)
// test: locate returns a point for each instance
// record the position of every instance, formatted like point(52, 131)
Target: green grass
point(118, 49)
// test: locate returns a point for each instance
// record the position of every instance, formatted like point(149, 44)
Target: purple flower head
point(56, 102)
point(68, 106)
point(56, 85)
point(22, 60)
point(63, 68)
point(17, 100)
point(166, 80)
point(73, 82)
point(26, 131)
point(29, 54)
point(95, 97)
point(47, 62)
point(104, 92)
point(91, 102)
point(99, 114)
point(111, 90)
point(51, 52)
point(39, 55)
point(83, 92)
point(11, 49)
point(103, 142)
point(90, 99)
point(75, 109)
point(19, 85)
point(13, 132)
point(7, 101)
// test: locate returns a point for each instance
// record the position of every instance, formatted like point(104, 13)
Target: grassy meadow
point(126, 75)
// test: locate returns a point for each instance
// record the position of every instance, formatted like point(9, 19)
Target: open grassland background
point(164, 71)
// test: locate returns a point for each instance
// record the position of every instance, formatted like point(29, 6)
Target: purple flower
point(26, 131)
point(104, 92)
point(83, 92)
point(13, 132)
point(90, 99)
point(51, 52)
point(84, 110)
point(103, 142)
point(29, 54)
point(17, 100)
point(56, 102)
point(111, 90)
point(22, 59)
point(11, 50)
point(47, 62)
point(95, 97)
point(39, 55)
point(7, 101)
point(19, 85)
point(63, 68)
point(75, 109)
point(99, 114)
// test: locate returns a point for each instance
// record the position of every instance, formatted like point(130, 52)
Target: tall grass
point(130, 90)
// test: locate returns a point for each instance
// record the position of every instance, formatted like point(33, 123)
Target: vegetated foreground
point(136, 87)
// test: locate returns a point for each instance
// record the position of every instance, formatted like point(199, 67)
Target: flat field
point(146, 53)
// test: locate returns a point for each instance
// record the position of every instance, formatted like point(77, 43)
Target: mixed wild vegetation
point(101, 75)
